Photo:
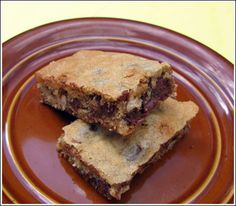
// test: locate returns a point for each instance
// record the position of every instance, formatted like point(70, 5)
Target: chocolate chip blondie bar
point(116, 90)
point(109, 162)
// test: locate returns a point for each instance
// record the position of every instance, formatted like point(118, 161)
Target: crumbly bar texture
point(116, 90)
point(109, 162)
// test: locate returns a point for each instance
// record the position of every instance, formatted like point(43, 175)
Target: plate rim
point(5, 43)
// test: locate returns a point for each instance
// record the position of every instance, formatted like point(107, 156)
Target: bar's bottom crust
point(91, 175)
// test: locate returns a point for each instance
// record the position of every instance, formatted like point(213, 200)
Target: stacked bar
point(127, 119)
point(113, 89)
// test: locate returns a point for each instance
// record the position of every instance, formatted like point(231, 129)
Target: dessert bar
point(116, 90)
point(109, 162)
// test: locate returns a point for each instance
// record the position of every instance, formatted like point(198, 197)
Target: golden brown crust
point(91, 175)
point(104, 73)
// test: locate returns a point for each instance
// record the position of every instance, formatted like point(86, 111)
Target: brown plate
point(198, 170)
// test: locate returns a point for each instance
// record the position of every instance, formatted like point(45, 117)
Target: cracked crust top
point(117, 159)
point(106, 73)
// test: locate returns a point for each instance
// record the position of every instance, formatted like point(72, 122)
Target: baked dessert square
point(116, 90)
point(109, 162)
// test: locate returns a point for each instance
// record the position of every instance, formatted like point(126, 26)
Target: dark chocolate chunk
point(108, 108)
point(163, 88)
point(98, 98)
point(160, 92)
point(125, 96)
point(93, 127)
point(135, 116)
point(62, 92)
point(75, 104)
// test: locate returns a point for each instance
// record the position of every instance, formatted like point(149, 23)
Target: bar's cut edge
point(111, 115)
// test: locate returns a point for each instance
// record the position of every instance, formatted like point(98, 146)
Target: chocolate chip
point(144, 124)
point(124, 96)
point(108, 108)
point(98, 97)
point(160, 92)
point(94, 100)
point(163, 88)
point(62, 92)
point(93, 127)
point(135, 116)
point(133, 152)
point(75, 104)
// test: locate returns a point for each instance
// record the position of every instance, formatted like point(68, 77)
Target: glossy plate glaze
point(198, 170)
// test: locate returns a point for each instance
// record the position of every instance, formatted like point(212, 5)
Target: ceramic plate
point(198, 170)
